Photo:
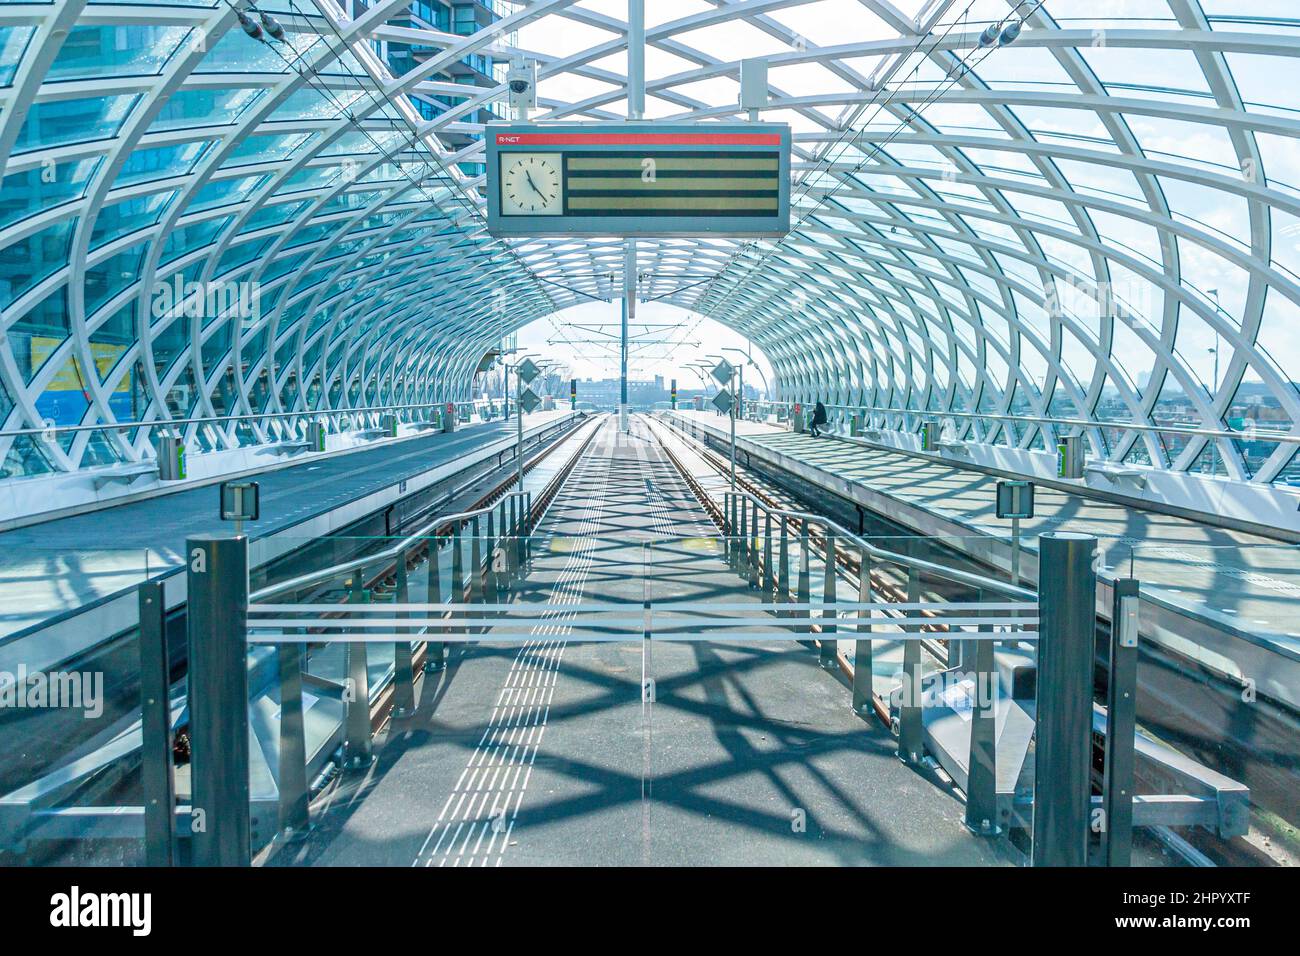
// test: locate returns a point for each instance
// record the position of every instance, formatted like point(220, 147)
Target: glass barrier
point(70, 685)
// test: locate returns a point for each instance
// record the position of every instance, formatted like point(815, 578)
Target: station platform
point(1222, 597)
point(553, 753)
point(55, 571)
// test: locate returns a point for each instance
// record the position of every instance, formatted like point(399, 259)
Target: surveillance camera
point(518, 86)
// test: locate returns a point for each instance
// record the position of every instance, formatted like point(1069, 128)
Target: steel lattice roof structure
point(1029, 215)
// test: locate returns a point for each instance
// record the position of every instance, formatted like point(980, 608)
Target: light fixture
point(251, 28)
point(1009, 33)
point(989, 36)
point(272, 26)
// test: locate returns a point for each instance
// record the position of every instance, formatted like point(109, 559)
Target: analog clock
point(530, 184)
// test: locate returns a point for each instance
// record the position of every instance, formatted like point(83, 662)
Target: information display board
point(638, 179)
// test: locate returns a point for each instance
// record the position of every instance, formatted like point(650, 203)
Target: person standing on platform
point(818, 419)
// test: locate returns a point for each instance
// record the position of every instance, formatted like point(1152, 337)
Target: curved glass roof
point(1096, 220)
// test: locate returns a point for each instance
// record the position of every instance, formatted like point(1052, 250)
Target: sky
point(688, 338)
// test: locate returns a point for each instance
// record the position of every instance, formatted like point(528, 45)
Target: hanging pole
point(733, 444)
point(635, 59)
point(519, 431)
point(635, 111)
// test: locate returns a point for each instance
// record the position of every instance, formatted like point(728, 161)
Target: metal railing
point(783, 410)
point(1060, 622)
point(171, 424)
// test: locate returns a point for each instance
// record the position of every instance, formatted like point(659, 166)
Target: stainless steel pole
point(1015, 551)
point(733, 446)
point(519, 432)
point(217, 628)
point(157, 771)
point(1067, 595)
point(1121, 721)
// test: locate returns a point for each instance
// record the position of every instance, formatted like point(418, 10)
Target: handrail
point(1287, 437)
point(218, 419)
point(952, 574)
point(323, 574)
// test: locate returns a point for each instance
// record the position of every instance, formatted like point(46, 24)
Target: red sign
point(638, 139)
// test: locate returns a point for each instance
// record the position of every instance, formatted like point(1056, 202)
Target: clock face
point(530, 184)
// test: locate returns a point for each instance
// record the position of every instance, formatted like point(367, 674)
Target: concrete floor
point(547, 754)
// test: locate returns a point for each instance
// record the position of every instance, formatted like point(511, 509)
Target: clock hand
point(529, 176)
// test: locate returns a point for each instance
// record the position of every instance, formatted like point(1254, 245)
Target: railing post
point(863, 693)
point(157, 772)
point(982, 764)
point(217, 628)
point(528, 527)
point(357, 748)
point(829, 645)
point(769, 573)
point(911, 742)
point(804, 595)
point(751, 539)
point(291, 775)
point(490, 586)
point(476, 563)
point(435, 651)
point(403, 667)
point(1067, 595)
point(457, 565)
point(732, 543)
point(743, 540)
point(1121, 724)
point(512, 540)
point(783, 565)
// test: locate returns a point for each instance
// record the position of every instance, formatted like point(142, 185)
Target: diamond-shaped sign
point(723, 372)
point(528, 370)
point(529, 402)
point(723, 402)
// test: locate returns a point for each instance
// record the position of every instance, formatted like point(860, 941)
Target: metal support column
point(783, 566)
point(828, 643)
point(490, 584)
point(911, 744)
point(1067, 595)
point(357, 749)
point(635, 111)
point(769, 576)
point(157, 772)
point(982, 767)
point(635, 59)
point(751, 538)
point(804, 595)
point(435, 651)
point(217, 629)
point(862, 689)
point(1121, 724)
point(733, 446)
point(626, 316)
point(519, 431)
point(291, 760)
point(512, 541)
point(403, 666)
point(476, 562)
point(733, 542)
